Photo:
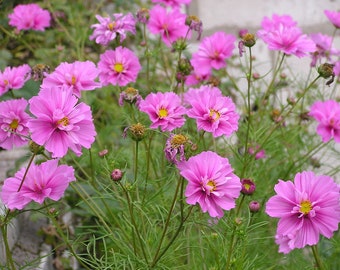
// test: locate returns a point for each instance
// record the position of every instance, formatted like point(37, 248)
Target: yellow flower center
point(214, 115)
point(6, 82)
point(178, 140)
point(73, 80)
point(163, 113)
point(305, 207)
point(118, 67)
point(14, 124)
point(63, 121)
point(111, 25)
point(212, 185)
point(246, 186)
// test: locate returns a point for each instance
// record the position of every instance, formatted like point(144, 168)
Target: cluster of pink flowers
point(30, 17)
point(79, 76)
point(13, 78)
point(280, 33)
point(307, 207)
point(327, 114)
point(109, 29)
point(211, 183)
point(47, 180)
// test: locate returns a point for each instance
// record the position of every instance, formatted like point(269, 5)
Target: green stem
point(9, 257)
point(136, 169)
point(26, 171)
point(317, 258)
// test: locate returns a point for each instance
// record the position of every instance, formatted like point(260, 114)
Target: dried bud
point(130, 95)
point(184, 66)
point(248, 186)
point(35, 148)
point(195, 24)
point(214, 81)
point(116, 175)
point(143, 15)
point(326, 70)
point(137, 132)
point(254, 206)
point(39, 71)
point(248, 40)
point(103, 152)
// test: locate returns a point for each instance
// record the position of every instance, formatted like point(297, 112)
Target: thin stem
point(9, 257)
point(317, 258)
point(26, 171)
point(136, 169)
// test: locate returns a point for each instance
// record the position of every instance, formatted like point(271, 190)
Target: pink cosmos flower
point(172, 3)
point(118, 67)
point(47, 180)
point(79, 76)
point(333, 17)
point(109, 29)
point(259, 153)
point(175, 147)
point(324, 48)
point(336, 68)
point(327, 114)
point(60, 122)
point(307, 207)
point(195, 78)
point(29, 17)
point(14, 78)
point(170, 24)
point(211, 183)
point(213, 52)
point(281, 34)
point(13, 123)
point(164, 109)
point(213, 112)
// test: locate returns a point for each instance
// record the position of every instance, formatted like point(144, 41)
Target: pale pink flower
point(281, 34)
point(211, 183)
point(172, 3)
point(170, 24)
point(164, 110)
point(109, 29)
point(213, 112)
point(213, 52)
point(61, 123)
point(324, 49)
point(307, 207)
point(30, 17)
point(333, 17)
point(195, 78)
point(47, 180)
point(79, 76)
point(13, 78)
point(336, 68)
point(118, 67)
point(260, 153)
point(13, 123)
point(327, 114)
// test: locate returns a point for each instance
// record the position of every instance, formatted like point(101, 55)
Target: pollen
point(63, 121)
point(214, 115)
point(178, 140)
point(6, 82)
point(111, 25)
point(162, 113)
point(212, 185)
point(118, 67)
point(14, 124)
point(305, 207)
point(73, 80)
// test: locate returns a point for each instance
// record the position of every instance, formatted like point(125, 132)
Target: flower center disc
point(14, 124)
point(305, 207)
point(118, 67)
point(162, 113)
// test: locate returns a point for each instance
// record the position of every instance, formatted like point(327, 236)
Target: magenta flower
point(281, 34)
point(213, 52)
point(29, 17)
point(172, 3)
point(333, 17)
point(211, 183)
point(13, 123)
point(14, 78)
point(307, 207)
point(213, 112)
point(47, 180)
point(170, 24)
point(324, 48)
point(118, 67)
point(60, 122)
point(327, 114)
point(164, 109)
point(259, 153)
point(79, 76)
point(195, 78)
point(175, 146)
point(109, 29)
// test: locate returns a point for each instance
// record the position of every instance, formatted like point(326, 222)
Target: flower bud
point(116, 175)
point(248, 186)
point(326, 70)
point(184, 66)
point(103, 152)
point(35, 148)
point(254, 206)
point(248, 40)
point(143, 15)
point(137, 132)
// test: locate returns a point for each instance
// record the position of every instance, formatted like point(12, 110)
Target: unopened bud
point(254, 206)
point(116, 175)
point(248, 186)
point(35, 148)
